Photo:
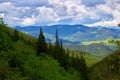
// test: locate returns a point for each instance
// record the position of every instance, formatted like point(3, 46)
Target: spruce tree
point(57, 47)
point(41, 46)
point(57, 40)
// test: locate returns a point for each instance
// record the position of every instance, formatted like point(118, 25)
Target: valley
point(59, 39)
point(25, 57)
point(94, 40)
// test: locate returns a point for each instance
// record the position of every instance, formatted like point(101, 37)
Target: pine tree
point(57, 47)
point(41, 46)
point(57, 40)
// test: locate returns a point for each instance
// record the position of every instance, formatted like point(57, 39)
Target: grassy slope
point(105, 42)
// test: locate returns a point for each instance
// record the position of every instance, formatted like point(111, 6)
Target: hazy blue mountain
point(73, 33)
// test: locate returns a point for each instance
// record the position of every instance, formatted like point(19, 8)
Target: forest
point(23, 57)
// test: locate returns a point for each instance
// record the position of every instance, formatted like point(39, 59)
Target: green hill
point(107, 69)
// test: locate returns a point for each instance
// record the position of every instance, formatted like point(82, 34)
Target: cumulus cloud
point(45, 12)
point(46, 16)
point(28, 21)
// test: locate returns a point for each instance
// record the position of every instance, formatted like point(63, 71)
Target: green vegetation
point(22, 57)
point(99, 50)
point(105, 42)
point(107, 69)
point(90, 59)
point(98, 41)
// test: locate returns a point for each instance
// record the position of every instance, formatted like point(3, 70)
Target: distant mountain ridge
point(73, 33)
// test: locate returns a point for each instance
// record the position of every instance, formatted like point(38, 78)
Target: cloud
point(46, 16)
point(45, 12)
point(28, 21)
point(2, 14)
point(105, 23)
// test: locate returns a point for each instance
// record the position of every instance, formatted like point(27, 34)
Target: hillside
point(23, 57)
point(19, 59)
point(107, 69)
point(97, 49)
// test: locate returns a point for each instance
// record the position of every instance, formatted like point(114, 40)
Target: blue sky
point(51, 12)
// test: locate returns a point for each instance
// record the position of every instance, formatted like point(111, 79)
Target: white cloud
point(105, 23)
point(46, 16)
point(28, 21)
point(45, 12)
point(2, 15)
point(108, 13)
point(116, 15)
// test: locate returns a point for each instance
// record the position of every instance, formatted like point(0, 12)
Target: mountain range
point(73, 34)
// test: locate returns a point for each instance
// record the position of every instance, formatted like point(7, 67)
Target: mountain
point(73, 33)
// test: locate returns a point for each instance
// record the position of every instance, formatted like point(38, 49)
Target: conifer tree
point(41, 46)
point(57, 47)
point(57, 40)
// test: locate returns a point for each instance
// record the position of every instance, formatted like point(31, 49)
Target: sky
point(51, 12)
